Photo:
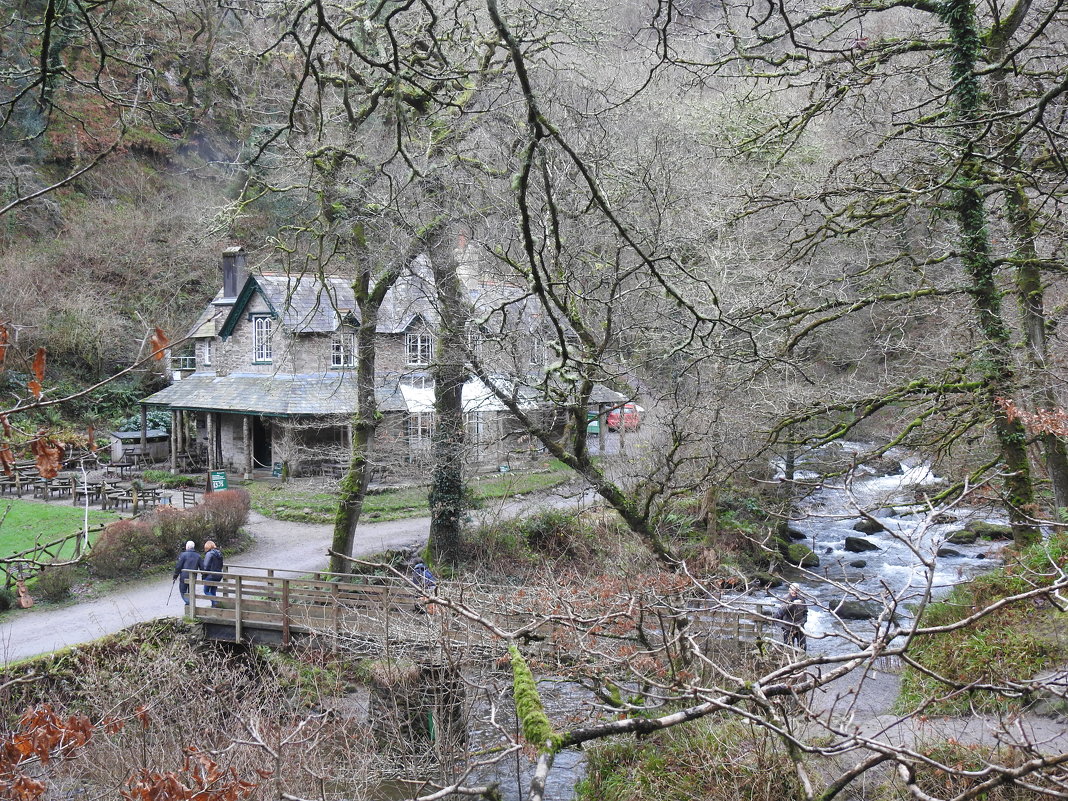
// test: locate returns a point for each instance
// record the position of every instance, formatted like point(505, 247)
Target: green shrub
point(7, 599)
point(167, 479)
point(124, 548)
point(54, 582)
point(174, 527)
point(226, 512)
point(709, 760)
point(127, 547)
point(555, 533)
point(158, 419)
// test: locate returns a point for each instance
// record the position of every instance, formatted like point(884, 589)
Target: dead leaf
point(48, 454)
point(159, 343)
point(5, 342)
point(38, 370)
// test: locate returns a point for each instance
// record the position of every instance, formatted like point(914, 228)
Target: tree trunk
point(994, 363)
point(447, 487)
point(364, 426)
point(1029, 291)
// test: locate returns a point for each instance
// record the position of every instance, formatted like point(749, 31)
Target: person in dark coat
point(421, 576)
point(188, 560)
point(213, 562)
point(793, 613)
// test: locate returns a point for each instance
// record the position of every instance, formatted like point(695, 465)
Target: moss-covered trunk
point(364, 426)
point(447, 493)
point(994, 362)
point(1030, 294)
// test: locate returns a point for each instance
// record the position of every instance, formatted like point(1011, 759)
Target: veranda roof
point(272, 395)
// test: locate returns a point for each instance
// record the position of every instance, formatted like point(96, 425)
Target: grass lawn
point(307, 502)
point(27, 523)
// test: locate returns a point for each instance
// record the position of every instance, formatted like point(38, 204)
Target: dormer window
point(261, 339)
point(343, 349)
point(418, 349)
point(207, 352)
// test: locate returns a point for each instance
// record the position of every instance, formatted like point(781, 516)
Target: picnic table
point(123, 468)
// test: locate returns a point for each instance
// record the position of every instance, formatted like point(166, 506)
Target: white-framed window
point(476, 424)
point(420, 430)
point(208, 347)
point(418, 348)
point(343, 349)
point(261, 338)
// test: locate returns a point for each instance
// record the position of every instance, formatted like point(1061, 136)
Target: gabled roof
point(307, 304)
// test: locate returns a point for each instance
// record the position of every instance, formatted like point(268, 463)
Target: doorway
point(261, 442)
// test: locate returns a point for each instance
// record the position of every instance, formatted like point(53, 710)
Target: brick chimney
point(233, 271)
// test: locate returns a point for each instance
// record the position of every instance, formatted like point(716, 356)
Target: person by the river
point(793, 613)
point(188, 560)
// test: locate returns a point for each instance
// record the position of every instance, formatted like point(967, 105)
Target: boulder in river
point(885, 466)
point(962, 537)
point(801, 555)
point(943, 518)
point(858, 563)
point(859, 545)
point(795, 533)
point(990, 531)
point(868, 526)
point(948, 553)
point(848, 609)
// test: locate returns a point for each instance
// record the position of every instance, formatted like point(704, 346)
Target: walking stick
point(171, 593)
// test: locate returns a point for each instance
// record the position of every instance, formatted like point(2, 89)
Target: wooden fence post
point(285, 611)
point(237, 609)
point(335, 592)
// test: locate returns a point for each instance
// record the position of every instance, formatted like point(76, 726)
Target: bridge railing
point(290, 602)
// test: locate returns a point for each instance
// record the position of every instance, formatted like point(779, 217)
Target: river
point(826, 516)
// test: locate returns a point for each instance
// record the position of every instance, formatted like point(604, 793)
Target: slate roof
point(272, 395)
point(313, 395)
point(206, 322)
point(310, 304)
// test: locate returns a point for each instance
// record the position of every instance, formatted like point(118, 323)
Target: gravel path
point(862, 703)
point(293, 546)
point(278, 544)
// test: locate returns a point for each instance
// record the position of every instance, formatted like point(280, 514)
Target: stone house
point(272, 379)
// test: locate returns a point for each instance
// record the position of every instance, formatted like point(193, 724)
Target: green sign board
point(276, 470)
point(218, 480)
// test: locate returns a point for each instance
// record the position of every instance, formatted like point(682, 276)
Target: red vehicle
point(628, 416)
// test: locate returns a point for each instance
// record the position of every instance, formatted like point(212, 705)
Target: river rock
point(762, 579)
point(944, 518)
point(801, 555)
point(795, 533)
point(948, 553)
point(859, 545)
point(990, 531)
point(855, 610)
point(858, 563)
point(962, 537)
point(885, 466)
point(868, 526)
point(827, 459)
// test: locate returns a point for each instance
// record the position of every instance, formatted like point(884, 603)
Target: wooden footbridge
point(374, 614)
